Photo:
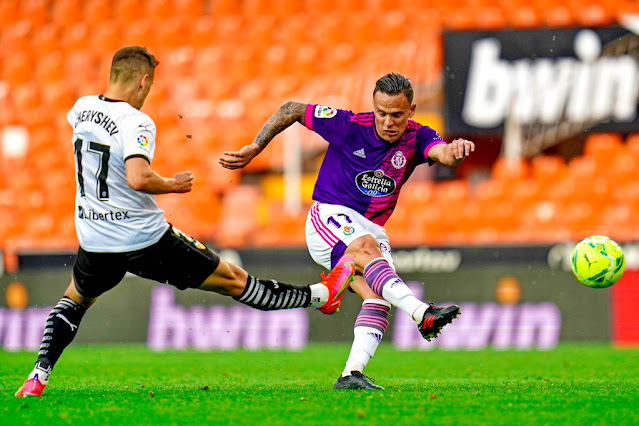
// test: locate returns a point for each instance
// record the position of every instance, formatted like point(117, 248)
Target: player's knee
point(228, 280)
point(364, 250)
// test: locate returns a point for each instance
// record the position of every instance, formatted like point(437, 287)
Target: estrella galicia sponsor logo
point(91, 214)
point(348, 230)
point(375, 183)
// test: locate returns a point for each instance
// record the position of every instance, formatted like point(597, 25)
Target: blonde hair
point(131, 61)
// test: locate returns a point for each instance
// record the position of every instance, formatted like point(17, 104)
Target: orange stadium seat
point(510, 169)
point(362, 29)
point(319, 7)
point(159, 10)
point(592, 13)
point(8, 12)
point(173, 33)
point(231, 30)
point(15, 37)
point(203, 32)
point(35, 11)
point(18, 70)
point(417, 195)
point(632, 144)
point(542, 223)
point(404, 228)
point(490, 18)
point(617, 222)
point(58, 96)
point(590, 185)
point(547, 169)
point(46, 39)
point(26, 97)
point(305, 58)
point(81, 67)
point(225, 7)
point(140, 32)
point(65, 13)
point(395, 26)
point(555, 14)
point(341, 58)
point(98, 12)
point(623, 169)
point(238, 217)
point(244, 62)
point(463, 18)
point(258, 8)
point(524, 192)
point(294, 30)
point(603, 145)
point(126, 11)
point(581, 219)
point(105, 38)
point(75, 37)
point(261, 32)
point(275, 61)
point(523, 16)
point(430, 221)
point(282, 228)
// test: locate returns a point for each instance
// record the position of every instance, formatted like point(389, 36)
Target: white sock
point(364, 346)
point(418, 315)
point(399, 295)
point(319, 294)
point(43, 376)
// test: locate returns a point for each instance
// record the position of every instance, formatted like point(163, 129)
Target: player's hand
point(183, 181)
point(462, 148)
point(238, 159)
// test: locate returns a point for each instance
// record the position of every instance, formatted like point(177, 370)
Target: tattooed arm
point(285, 116)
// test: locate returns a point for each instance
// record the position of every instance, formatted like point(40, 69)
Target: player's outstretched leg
point(60, 329)
point(337, 281)
point(385, 282)
point(268, 295)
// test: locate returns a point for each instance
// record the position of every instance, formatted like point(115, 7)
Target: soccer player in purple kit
point(369, 158)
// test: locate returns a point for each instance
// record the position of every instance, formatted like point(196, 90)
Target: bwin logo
point(589, 88)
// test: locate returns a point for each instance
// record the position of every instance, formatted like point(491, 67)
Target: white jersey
point(110, 215)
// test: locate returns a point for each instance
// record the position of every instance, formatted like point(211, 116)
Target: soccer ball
point(598, 261)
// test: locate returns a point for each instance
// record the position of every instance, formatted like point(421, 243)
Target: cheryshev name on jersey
point(91, 214)
point(97, 117)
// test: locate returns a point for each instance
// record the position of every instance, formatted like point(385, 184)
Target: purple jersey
point(361, 170)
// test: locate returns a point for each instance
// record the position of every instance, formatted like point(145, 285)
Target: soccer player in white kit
point(121, 229)
point(369, 158)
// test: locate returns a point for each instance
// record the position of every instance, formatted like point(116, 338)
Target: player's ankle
point(418, 314)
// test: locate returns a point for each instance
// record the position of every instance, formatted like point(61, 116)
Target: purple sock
point(378, 273)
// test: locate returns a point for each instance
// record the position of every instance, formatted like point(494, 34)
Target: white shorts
point(331, 228)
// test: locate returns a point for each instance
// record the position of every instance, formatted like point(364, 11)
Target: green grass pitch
point(122, 384)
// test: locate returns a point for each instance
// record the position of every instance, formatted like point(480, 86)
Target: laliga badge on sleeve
point(324, 112)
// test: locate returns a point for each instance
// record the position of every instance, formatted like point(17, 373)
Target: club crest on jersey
point(348, 230)
point(324, 112)
point(143, 141)
point(399, 160)
point(375, 183)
